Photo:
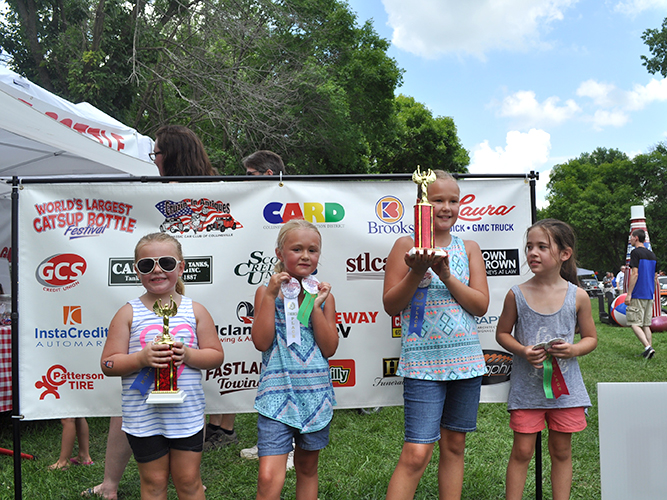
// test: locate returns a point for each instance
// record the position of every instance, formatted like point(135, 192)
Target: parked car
point(592, 286)
point(662, 281)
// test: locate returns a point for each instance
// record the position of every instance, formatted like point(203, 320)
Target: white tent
point(46, 136)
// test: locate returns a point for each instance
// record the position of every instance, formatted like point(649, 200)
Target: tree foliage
point(594, 193)
point(299, 77)
point(657, 44)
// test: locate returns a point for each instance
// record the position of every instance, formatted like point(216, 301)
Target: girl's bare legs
point(409, 470)
point(517, 468)
point(451, 464)
point(66, 444)
point(116, 458)
point(154, 477)
point(83, 438)
point(305, 464)
point(271, 477)
point(185, 467)
point(560, 449)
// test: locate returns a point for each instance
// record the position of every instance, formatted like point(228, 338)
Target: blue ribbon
point(144, 381)
point(417, 312)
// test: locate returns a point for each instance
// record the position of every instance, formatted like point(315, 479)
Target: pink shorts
point(558, 419)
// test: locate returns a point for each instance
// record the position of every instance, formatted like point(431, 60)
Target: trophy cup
point(424, 237)
point(166, 389)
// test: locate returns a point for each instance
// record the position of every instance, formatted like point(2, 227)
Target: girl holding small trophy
point(437, 287)
point(166, 436)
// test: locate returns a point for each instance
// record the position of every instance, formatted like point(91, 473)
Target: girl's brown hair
point(163, 238)
point(562, 234)
point(292, 225)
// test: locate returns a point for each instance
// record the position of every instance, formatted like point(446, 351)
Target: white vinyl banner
point(76, 245)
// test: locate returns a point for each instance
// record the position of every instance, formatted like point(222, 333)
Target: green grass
point(360, 459)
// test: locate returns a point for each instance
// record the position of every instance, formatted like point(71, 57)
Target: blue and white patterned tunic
point(449, 348)
point(295, 385)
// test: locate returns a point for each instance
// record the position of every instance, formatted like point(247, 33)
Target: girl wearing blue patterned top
point(441, 356)
point(166, 439)
point(295, 397)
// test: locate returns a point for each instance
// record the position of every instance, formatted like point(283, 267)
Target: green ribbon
point(546, 379)
point(306, 307)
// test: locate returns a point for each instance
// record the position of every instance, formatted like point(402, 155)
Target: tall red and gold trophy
point(166, 389)
point(424, 237)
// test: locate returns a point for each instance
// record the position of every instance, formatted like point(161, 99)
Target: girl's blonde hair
point(562, 235)
point(162, 238)
point(292, 225)
point(441, 174)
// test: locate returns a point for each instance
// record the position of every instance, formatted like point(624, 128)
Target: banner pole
point(16, 416)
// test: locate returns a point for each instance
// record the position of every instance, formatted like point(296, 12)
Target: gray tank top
point(526, 389)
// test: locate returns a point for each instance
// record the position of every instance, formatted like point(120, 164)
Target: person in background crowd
point(263, 162)
point(177, 152)
point(641, 291)
point(620, 278)
point(73, 428)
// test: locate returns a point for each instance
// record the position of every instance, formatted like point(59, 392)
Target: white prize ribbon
point(291, 290)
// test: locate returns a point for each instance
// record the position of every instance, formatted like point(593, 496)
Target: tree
point(657, 44)
point(594, 193)
point(299, 77)
point(419, 139)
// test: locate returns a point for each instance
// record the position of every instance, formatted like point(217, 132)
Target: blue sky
point(529, 83)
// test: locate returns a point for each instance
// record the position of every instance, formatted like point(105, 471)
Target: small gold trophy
point(166, 389)
point(424, 237)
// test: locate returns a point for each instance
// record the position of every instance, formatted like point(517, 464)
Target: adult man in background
point(641, 291)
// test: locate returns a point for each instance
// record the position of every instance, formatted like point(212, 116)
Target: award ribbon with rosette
point(553, 381)
point(296, 315)
point(291, 290)
point(166, 389)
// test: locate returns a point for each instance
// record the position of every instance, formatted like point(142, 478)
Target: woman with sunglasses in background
point(177, 152)
point(166, 439)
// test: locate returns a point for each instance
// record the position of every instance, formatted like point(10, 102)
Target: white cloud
point(602, 118)
point(614, 104)
point(523, 152)
point(430, 28)
point(524, 106)
point(634, 7)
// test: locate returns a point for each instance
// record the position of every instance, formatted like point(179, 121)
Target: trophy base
point(434, 251)
point(166, 397)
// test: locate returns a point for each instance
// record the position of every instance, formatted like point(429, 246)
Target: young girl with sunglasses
point(295, 397)
point(166, 439)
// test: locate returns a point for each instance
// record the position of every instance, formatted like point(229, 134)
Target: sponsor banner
point(76, 246)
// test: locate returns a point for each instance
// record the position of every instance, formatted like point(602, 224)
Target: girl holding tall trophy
point(158, 343)
point(438, 285)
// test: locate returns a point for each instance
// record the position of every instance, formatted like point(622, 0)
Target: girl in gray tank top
point(546, 384)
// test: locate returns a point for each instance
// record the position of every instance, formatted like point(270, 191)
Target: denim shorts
point(430, 405)
point(147, 449)
point(275, 438)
